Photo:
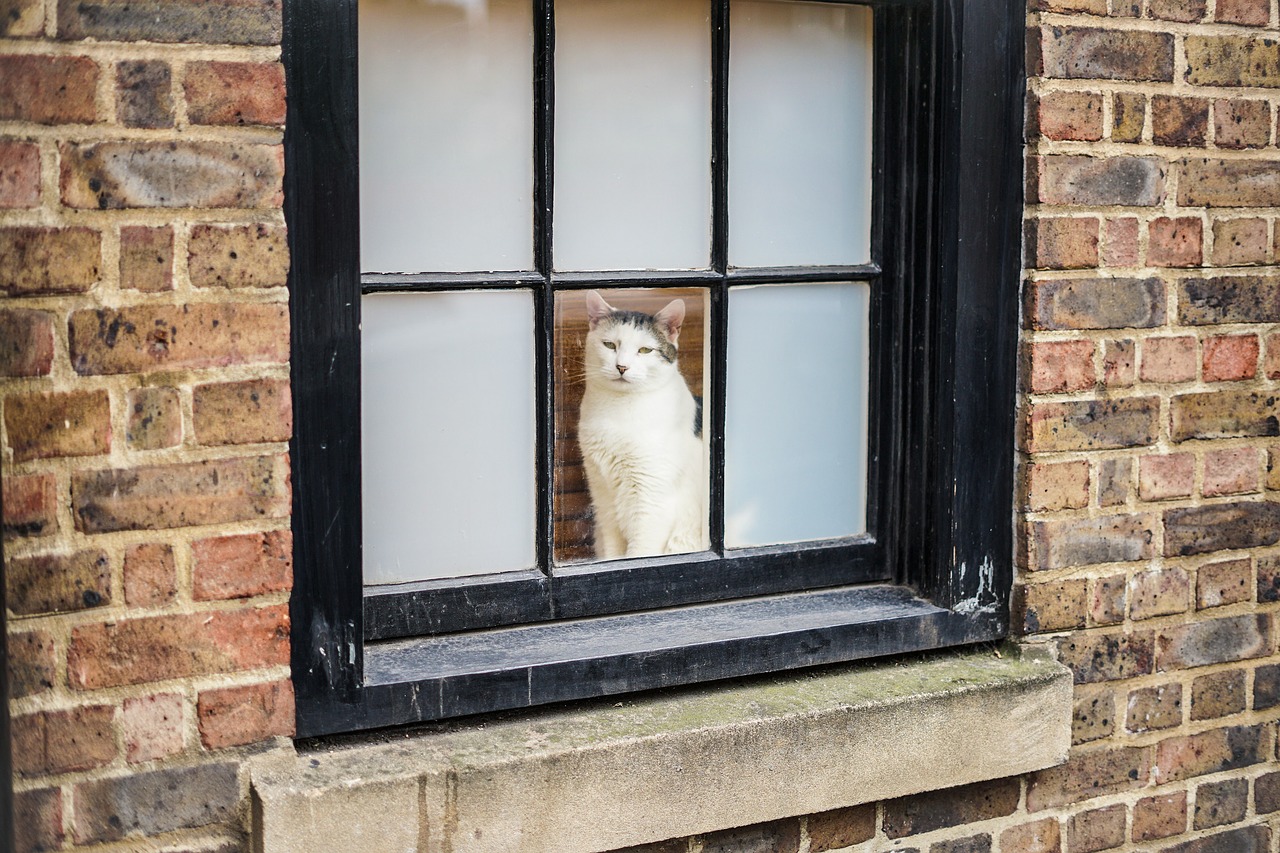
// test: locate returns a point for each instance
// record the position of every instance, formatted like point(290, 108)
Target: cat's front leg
point(608, 542)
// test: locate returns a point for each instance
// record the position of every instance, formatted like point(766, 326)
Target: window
point(830, 192)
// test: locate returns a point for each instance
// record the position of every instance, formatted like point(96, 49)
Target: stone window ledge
point(663, 765)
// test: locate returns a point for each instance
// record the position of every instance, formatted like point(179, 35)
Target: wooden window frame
point(934, 569)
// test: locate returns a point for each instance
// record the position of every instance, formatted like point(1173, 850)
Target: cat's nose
point(622, 368)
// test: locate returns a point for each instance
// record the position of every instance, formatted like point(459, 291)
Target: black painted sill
point(432, 678)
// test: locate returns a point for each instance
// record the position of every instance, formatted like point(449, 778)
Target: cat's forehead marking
point(640, 322)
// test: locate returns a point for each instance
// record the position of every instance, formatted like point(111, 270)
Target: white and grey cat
point(640, 430)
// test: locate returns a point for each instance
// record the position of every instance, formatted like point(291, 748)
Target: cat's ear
point(670, 318)
point(597, 308)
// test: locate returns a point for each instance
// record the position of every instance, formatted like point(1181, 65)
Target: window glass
point(630, 452)
point(796, 422)
point(447, 423)
point(800, 122)
point(446, 176)
point(633, 134)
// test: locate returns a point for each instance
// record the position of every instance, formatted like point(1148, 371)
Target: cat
point(640, 431)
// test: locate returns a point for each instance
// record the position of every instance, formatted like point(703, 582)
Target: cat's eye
point(612, 345)
point(646, 350)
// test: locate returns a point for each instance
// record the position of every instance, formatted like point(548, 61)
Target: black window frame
point(935, 568)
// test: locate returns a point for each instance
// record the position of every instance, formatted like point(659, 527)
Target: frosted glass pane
point(633, 134)
point(447, 434)
point(446, 135)
point(796, 422)
point(800, 99)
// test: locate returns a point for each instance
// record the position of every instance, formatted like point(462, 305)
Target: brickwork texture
point(144, 409)
point(144, 414)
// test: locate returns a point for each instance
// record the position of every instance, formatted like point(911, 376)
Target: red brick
point(1118, 363)
point(239, 715)
point(235, 93)
point(1184, 11)
point(37, 813)
point(1168, 359)
point(1230, 357)
point(1089, 774)
point(1266, 793)
point(30, 505)
point(1175, 242)
point(135, 651)
point(1109, 599)
point(181, 495)
point(48, 89)
point(1077, 179)
point(26, 342)
point(1271, 363)
point(1068, 115)
point(1255, 13)
point(1273, 468)
point(1061, 485)
point(52, 742)
point(1062, 366)
point(1179, 121)
point(35, 260)
point(57, 583)
point(172, 21)
point(1090, 541)
point(239, 256)
point(150, 577)
point(1158, 592)
point(1228, 582)
point(242, 566)
point(114, 175)
point(146, 258)
point(1239, 241)
point(1235, 471)
point(1089, 7)
point(32, 663)
point(76, 423)
point(1164, 477)
point(1232, 60)
point(156, 802)
point(1209, 752)
point(154, 418)
point(19, 175)
point(251, 412)
point(950, 807)
point(153, 726)
point(1160, 816)
point(1240, 123)
point(1093, 424)
point(1152, 708)
point(1120, 245)
point(1097, 829)
point(168, 337)
point(1221, 803)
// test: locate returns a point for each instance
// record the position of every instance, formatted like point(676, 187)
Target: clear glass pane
point(630, 455)
point(796, 423)
point(446, 135)
point(800, 114)
point(447, 423)
point(633, 134)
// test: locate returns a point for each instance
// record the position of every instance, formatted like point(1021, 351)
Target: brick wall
point(145, 407)
point(144, 346)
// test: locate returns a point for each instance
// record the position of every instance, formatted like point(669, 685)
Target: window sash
point(945, 310)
